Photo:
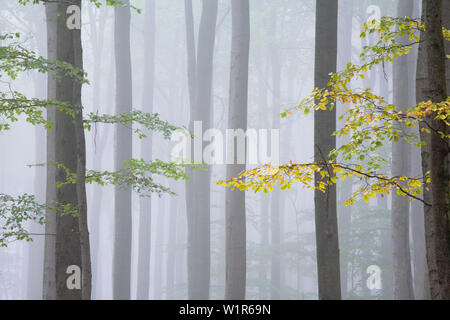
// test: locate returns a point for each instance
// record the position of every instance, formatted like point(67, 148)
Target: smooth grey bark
point(345, 33)
point(86, 271)
point(173, 99)
point(171, 246)
point(420, 279)
point(49, 280)
point(191, 52)
point(198, 188)
point(122, 152)
point(143, 275)
point(401, 166)
point(420, 270)
point(327, 242)
point(423, 94)
point(235, 282)
point(437, 230)
point(180, 257)
point(264, 266)
point(62, 149)
point(265, 199)
point(159, 251)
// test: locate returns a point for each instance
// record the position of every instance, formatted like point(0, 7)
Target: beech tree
point(327, 240)
point(198, 198)
point(237, 120)
point(437, 227)
point(370, 121)
point(401, 165)
point(123, 151)
point(67, 170)
point(145, 203)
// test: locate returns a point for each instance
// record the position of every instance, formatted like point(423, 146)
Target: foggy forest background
point(281, 243)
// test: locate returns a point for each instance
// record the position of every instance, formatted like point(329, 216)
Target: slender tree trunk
point(237, 119)
point(49, 280)
point(275, 213)
point(191, 52)
point(401, 166)
point(123, 151)
point(86, 272)
point(145, 203)
point(180, 257)
point(421, 292)
point(265, 199)
point(420, 269)
point(423, 94)
point(159, 251)
point(437, 231)
point(63, 143)
point(420, 279)
point(345, 187)
point(327, 242)
point(198, 188)
point(264, 266)
point(171, 246)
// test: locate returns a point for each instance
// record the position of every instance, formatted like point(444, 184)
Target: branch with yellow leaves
point(321, 175)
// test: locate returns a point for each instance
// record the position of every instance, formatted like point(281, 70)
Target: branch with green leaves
point(97, 3)
point(148, 121)
point(137, 174)
point(16, 212)
point(16, 59)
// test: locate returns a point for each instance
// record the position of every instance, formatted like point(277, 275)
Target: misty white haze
point(175, 247)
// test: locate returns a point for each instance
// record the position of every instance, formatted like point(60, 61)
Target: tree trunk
point(172, 246)
point(275, 213)
point(401, 166)
point(198, 188)
point(49, 280)
point(62, 149)
point(264, 198)
point(423, 94)
point(421, 292)
point(86, 272)
point(420, 270)
point(123, 151)
point(159, 250)
point(237, 119)
point(180, 257)
point(345, 187)
point(264, 266)
point(436, 221)
point(327, 242)
point(190, 48)
point(143, 282)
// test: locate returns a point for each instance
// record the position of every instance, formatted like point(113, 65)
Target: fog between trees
point(226, 64)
